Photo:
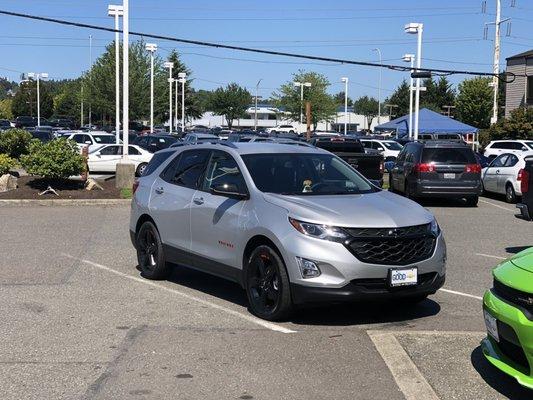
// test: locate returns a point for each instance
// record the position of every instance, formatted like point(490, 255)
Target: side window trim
point(208, 163)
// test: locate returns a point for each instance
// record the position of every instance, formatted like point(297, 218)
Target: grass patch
point(385, 185)
point(126, 193)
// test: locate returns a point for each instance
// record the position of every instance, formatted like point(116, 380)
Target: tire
point(267, 285)
point(472, 201)
point(150, 253)
point(408, 193)
point(510, 195)
point(140, 169)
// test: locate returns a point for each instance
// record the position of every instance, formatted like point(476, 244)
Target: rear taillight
point(473, 168)
point(523, 177)
point(381, 167)
point(135, 186)
point(425, 167)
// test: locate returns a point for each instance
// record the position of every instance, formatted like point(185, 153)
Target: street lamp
point(416, 28)
point(152, 48)
point(38, 77)
point(256, 95)
point(379, 86)
point(169, 65)
point(301, 85)
point(345, 81)
point(410, 58)
point(182, 78)
point(116, 12)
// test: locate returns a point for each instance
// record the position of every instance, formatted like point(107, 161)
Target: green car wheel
point(508, 314)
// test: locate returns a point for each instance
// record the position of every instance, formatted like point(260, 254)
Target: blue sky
point(453, 37)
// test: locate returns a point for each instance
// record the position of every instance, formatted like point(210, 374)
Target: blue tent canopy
point(428, 122)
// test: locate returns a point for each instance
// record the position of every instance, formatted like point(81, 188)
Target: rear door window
point(188, 170)
point(499, 161)
point(511, 161)
point(448, 156)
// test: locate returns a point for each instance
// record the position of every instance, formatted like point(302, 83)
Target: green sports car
point(508, 312)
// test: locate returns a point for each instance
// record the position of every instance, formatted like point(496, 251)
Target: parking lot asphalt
point(78, 321)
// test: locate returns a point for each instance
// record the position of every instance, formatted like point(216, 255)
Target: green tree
point(231, 102)
point(25, 100)
point(474, 102)
point(367, 106)
point(339, 99)
point(323, 106)
point(5, 108)
point(15, 142)
point(400, 98)
point(67, 101)
point(519, 125)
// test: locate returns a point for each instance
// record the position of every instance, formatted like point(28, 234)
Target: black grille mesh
point(522, 299)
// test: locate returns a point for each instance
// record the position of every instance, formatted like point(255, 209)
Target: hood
point(373, 210)
point(524, 259)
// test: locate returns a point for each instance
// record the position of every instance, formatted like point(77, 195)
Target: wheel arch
point(142, 219)
point(254, 242)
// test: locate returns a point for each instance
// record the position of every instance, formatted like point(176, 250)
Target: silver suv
point(290, 224)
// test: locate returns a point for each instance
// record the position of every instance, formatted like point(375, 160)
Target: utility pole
point(125, 78)
point(256, 95)
point(379, 87)
point(391, 107)
point(90, 65)
point(170, 65)
point(345, 81)
point(116, 12)
point(151, 47)
point(411, 59)
point(182, 78)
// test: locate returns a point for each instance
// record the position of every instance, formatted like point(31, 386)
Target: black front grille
point(522, 300)
point(509, 345)
point(392, 246)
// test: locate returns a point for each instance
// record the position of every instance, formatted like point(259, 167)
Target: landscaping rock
point(7, 182)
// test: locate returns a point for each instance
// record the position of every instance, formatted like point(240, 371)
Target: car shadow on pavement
point(496, 379)
point(516, 249)
point(443, 203)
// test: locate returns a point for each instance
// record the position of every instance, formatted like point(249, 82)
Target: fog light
point(308, 268)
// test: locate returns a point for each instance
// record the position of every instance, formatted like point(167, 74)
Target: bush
point(57, 159)
point(6, 163)
point(15, 142)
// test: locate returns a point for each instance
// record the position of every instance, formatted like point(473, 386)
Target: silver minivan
point(291, 224)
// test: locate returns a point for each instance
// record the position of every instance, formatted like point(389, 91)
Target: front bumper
point(366, 289)
point(514, 359)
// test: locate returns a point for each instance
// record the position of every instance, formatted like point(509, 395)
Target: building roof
point(429, 122)
point(525, 54)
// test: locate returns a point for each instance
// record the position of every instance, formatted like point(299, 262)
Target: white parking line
point(496, 205)
point(461, 294)
point(246, 317)
point(491, 256)
point(409, 379)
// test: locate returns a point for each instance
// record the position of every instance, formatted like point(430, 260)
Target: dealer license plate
point(492, 325)
point(449, 176)
point(403, 276)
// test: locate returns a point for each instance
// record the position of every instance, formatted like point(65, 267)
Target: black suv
point(154, 143)
point(437, 169)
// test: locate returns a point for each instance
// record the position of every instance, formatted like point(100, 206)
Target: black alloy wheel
point(150, 253)
point(267, 285)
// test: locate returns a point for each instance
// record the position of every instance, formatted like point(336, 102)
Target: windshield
point(305, 174)
point(104, 139)
point(393, 145)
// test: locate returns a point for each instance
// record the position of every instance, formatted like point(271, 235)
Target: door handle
point(497, 171)
point(159, 190)
point(198, 200)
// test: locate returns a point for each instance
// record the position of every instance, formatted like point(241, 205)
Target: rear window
point(449, 156)
point(104, 139)
point(156, 161)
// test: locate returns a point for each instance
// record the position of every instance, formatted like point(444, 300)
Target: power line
point(247, 49)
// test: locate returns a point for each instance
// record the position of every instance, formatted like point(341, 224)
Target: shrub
point(6, 163)
point(15, 142)
point(57, 159)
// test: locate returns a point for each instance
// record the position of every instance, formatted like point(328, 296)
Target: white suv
point(93, 139)
point(282, 128)
point(497, 147)
point(388, 148)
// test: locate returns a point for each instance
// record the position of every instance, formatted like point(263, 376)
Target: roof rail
point(226, 143)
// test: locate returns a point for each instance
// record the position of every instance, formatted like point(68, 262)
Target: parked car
point(25, 121)
point(248, 138)
point(497, 147)
point(92, 139)
point(199, 137)
point(4, 124)
point(388, 148)
point(456, 137)
point(154, 143)
point(353, 152)
point(297, 226)
point(43, 135)
point(503, 175)
point(105, 158)
point(508, 314)
point(324, 132)
point(526, 188)
point(437, 169)
point(282, 128)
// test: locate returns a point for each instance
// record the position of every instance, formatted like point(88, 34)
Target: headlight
point(435, 229)
point(318, 231)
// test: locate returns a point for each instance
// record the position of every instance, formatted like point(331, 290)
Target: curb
point(65, 202)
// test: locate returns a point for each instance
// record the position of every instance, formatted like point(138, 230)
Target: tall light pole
point(125, 79)
point(345, 81)
point(416, 28)
point(301, 85)
point(38, 77)
point(169, 65)
point(379, 86)
point(116, 12)
point(90, 65)
point(182, 78)
point(176, 94)
point(411, 59)
point(256, 95)
point(152, 48)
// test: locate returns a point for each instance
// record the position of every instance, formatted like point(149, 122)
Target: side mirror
point(98, 154)
point(381, 150)
point(524, 148)
point(228, 190)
